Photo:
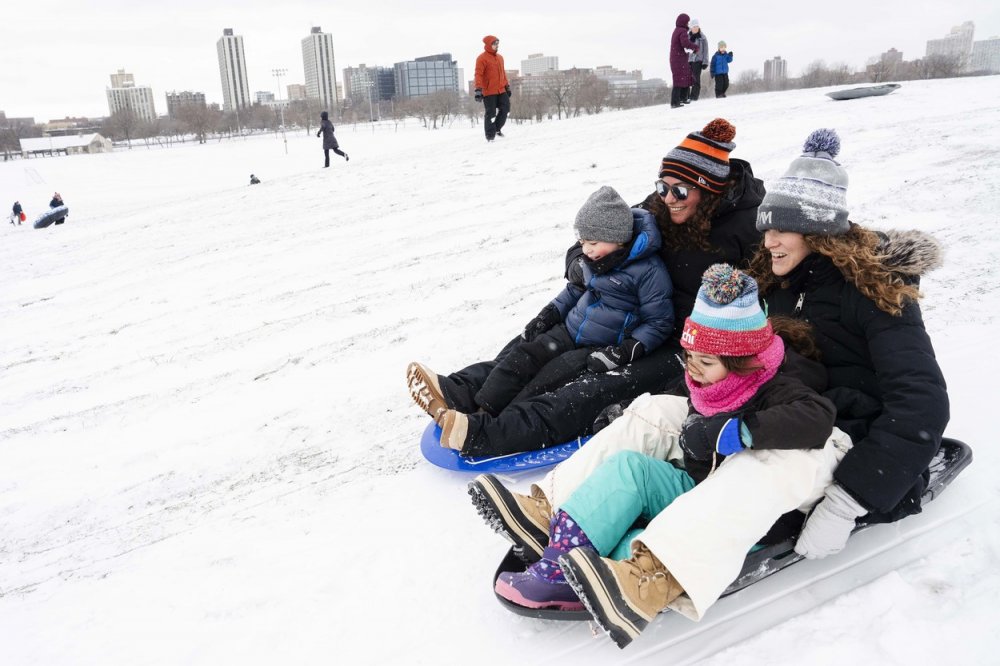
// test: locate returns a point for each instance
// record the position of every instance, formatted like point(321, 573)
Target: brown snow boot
point(425, 389)
point(623, 597)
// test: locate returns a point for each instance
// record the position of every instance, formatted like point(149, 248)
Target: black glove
point(546, 319)
point(479, 94)
point(318, 133)
point(704, 66)
point(616, 356)
point(701, 436)
point(506, 89)
point(609, 414)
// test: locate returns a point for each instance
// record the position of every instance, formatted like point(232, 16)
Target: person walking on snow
point(719, 69)
point(697, 60)
point(680, 70)
point(57, 201)
point(329, 140)
point(16, 216)
point(492, 87)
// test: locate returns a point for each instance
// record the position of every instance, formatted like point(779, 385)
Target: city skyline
point(69, 78)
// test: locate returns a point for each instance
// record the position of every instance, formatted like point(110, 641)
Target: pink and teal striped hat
point(727, 319)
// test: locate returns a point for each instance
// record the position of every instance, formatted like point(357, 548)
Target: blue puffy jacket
point(632, 300)
point(720, 63)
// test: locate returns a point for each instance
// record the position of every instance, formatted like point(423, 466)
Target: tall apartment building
point(122, 79)
point(986, 55)
point(176, 101)
point(126, 96)
point(320, 68)
point(233, 71)
point(536, 63)
point(296, 91)
point(426, 75)
point(775, 70)
point(958, 43)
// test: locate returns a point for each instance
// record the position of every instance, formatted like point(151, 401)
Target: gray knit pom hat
point(604, 217)
point(811, 198)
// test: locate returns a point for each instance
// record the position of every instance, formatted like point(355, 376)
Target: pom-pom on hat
point(702, 159)
point(811, 198)
point(604, 217)
point(727, 319)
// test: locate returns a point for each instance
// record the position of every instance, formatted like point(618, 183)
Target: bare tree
point(880, 69)
point(529, 104)
point(199, 120)
point(440, 105)
point(749, 81)
point(593, 94)
point(559, 88)
point(941, 66)
point(122, 124)
point(12, 131)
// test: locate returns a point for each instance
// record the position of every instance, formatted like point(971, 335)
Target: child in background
point(719, 69)
point(624, 311)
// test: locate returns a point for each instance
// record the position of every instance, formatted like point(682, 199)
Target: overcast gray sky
point(56, 56)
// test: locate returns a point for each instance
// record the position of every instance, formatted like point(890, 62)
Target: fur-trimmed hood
point(912, 252)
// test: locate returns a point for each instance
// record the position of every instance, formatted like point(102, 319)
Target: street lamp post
point(278, 73)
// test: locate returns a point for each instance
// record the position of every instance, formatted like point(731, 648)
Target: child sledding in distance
point(624, 311)
point(746, 390)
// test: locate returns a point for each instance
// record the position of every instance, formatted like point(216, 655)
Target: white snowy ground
point(207, 452)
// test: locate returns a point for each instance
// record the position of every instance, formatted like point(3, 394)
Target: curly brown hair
point(693, 234)
point(858, 256)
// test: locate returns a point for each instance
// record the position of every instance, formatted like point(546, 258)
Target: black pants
point(519, 366)
point(498, 106)
point(721, 84)
point(326, 154)
point(560, 405)
point(696, 76)
point(677, 96)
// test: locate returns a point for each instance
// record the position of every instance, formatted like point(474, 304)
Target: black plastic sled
point(951, 459)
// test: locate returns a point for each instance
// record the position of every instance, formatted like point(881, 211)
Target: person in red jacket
point(492, 88)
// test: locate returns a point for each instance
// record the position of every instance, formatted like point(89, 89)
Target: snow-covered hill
point(207, 452)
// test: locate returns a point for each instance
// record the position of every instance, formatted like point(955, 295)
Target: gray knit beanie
point(604, 217)
point(811, 198)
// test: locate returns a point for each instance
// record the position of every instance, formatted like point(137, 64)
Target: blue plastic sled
point(430, 447)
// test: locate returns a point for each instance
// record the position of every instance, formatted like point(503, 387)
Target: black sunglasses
point(679, 191)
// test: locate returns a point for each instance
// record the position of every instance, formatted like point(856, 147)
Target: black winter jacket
point(786, 404)
point(884, 379)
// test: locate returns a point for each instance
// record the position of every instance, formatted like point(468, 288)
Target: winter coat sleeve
point(567, 298)
point(656, 306)
point(883, 467)
point(574, 269)
point(793, 416)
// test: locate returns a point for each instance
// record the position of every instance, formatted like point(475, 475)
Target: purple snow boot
point(543, 585)
point(531, 590)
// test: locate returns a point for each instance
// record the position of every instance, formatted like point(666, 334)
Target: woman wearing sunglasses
point(706, 216)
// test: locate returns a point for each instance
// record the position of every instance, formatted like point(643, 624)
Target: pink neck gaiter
point(735, 390)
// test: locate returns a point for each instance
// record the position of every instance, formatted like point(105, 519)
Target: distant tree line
point(878, 70)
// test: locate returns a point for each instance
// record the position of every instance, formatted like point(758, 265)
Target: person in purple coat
point(679, 69)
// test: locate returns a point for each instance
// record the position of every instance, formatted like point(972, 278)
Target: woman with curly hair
point(705, 205)
point(858, 289)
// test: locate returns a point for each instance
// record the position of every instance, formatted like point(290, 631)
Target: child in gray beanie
point(620, 310)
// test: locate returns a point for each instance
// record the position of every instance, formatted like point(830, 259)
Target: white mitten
point(829, 525)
